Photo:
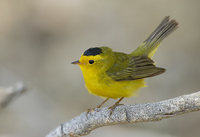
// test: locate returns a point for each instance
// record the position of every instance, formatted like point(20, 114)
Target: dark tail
point(149, 46)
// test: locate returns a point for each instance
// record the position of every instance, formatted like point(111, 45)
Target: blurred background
point(39, 39)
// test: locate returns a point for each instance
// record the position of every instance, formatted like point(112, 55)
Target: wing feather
point(132, 68)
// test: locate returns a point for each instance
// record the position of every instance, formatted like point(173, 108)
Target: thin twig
point(83, 125)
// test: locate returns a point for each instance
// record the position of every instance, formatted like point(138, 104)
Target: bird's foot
point(99, 106)
point(112, 108)
point(90, 110)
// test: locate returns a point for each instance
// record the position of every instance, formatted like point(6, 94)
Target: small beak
point(76, 62)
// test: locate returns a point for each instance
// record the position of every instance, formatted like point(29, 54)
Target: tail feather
point(149, 46)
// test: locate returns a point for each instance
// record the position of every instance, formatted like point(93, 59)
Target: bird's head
point(96, 59)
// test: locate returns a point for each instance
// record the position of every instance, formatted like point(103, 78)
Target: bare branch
point(7, 94)
point(83, 125)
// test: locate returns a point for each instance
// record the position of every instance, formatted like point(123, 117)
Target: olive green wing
point(132, 68)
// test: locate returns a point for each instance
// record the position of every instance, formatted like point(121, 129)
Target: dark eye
point(91, 61)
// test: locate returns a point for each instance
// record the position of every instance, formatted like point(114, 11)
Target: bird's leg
point(99, 106)
point(115, 105)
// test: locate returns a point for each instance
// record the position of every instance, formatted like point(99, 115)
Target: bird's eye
point(91, 61)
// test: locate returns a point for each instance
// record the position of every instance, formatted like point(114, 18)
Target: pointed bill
point(76, 62)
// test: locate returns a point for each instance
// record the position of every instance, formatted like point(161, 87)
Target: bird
point(117, 75)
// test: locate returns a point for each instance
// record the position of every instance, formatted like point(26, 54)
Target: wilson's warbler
point(115, 75)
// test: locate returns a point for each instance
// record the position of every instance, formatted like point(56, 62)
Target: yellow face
point(90, 61)
point(95, 60)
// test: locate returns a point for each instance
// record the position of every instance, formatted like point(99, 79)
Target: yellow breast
point(104, 86)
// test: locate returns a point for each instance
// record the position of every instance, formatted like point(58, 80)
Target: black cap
point(92, 51)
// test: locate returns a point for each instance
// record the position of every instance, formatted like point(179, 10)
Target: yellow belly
point(104, 86)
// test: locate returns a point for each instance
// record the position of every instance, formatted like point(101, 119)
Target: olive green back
point(128, 67)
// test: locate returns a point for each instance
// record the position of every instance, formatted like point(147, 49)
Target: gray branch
point(8, 94)
point(84, 124)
